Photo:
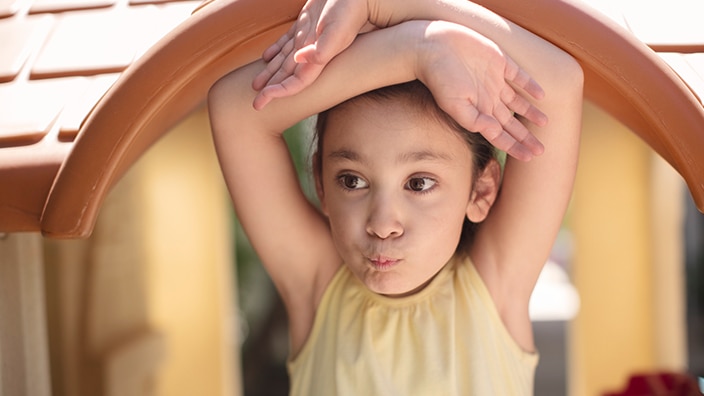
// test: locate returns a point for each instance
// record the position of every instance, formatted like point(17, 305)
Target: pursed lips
point(383, 263)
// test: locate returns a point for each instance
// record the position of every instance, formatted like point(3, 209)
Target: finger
point(311, 53)
point(266, 95)
point(533, 89)
point(275, 48)
point(338, 24)
point(506, 133)
point(305, 34)
point(263, 78)
point(518, 130)
point(307, 54)
point(304, 75)
point(467, 115)
point(521, 106)
point(260, 101)
point(525, 82)
point(287, 87)
point(284, 71)
point(503, 140)
point(271, 92)
point(534, 115)
point(523, 136)
point(303, 26)
point(294, 83)
point(333, 39)
point(520, 78)
point(518, 151)
point(274, 68)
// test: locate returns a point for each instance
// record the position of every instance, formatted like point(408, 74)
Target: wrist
point(412, 43)
point(396, 56)
point(433, 41)
point(463, 12)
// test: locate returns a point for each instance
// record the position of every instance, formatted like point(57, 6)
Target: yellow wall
point(24, 355)
point(190, 277)
point(616, 241)
point(146, 306)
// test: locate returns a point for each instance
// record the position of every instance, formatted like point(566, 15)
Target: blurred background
point(167, 297)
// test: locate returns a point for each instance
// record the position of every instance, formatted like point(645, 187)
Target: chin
point(385, 283)
point(390, 288)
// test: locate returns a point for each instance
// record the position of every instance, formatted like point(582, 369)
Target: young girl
point(382, 296)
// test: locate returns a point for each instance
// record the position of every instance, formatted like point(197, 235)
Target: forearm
point(377, 59)
point(542, 60)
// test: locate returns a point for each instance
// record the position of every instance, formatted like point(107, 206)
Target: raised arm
point(290, 236)
point(514, 242)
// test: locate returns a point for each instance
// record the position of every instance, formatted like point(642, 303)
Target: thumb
point(309, 54)
point(333, 39)
point(340, 22)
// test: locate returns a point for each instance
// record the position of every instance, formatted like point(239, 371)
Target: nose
point(384, 221)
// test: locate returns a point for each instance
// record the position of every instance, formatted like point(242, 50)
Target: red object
point(659, 384)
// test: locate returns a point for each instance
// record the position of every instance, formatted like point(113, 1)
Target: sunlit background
point(167, 297)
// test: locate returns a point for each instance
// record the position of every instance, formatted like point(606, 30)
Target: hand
point(480, 86)
point(324, 28)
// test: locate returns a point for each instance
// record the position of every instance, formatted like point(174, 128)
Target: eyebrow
point(345, 154)
point(413, 156)
point(424, 155)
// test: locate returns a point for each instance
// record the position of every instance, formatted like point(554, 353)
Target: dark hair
point(418, 95)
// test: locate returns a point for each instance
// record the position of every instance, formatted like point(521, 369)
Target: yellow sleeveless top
point(447, 339)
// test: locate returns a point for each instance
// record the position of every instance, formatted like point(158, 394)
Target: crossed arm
point(292, 239)
point(514, 241)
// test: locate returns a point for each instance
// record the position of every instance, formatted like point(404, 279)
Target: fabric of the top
point(447, 339)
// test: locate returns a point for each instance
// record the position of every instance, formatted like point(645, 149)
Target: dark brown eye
point(419, 184)
point(352, 182)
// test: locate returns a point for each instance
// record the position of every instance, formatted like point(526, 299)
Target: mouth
point(383, 263)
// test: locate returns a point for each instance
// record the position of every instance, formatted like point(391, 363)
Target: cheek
point(345, 220)
point(443, 223)
point(447, 226)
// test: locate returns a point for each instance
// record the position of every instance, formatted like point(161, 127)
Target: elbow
point(221, 102)
point(575, 82)
point(563, 81)
point(570, 74)
point(214, 103)
point(576, 73)
point(217, 95)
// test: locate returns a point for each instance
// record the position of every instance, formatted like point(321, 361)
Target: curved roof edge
point(622, 75)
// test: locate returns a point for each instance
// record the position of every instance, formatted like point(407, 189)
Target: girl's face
point(395, 186)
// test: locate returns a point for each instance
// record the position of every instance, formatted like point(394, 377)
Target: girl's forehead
point(390, 127)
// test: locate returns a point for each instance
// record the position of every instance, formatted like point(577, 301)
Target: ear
point(484, 192)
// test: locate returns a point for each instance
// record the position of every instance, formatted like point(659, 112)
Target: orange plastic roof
point(86, 86)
